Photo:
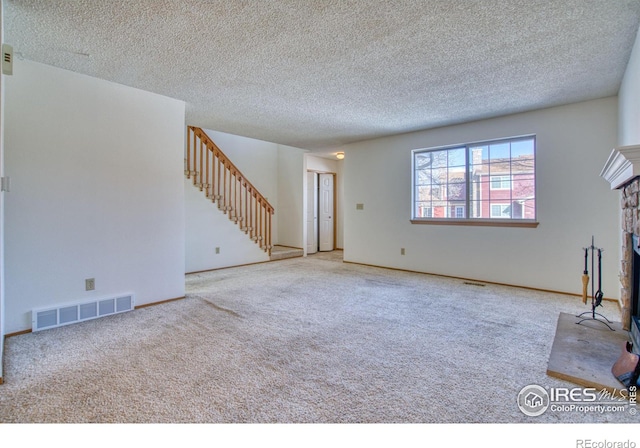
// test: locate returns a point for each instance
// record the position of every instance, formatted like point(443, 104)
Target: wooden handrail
point(224, 184)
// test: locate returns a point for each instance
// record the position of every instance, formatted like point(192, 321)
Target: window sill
point(477, 222)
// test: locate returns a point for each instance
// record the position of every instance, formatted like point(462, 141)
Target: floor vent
point(45, 318)
point(474, 284)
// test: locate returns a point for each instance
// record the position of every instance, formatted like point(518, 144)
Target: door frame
point(335, 205)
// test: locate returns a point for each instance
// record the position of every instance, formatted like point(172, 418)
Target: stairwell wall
point(277, 172)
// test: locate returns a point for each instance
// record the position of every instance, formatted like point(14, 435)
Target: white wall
point(629, 100)
point(97, 191)
point(208, 228)
point(574, 203)
point(257, 160)
point(291, 188)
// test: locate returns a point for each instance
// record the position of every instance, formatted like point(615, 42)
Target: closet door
point(312, 212)
point(326, 212)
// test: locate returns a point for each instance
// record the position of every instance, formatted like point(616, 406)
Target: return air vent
point(45, 318)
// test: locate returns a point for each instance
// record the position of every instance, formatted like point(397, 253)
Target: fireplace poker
point(585, 276)
point(599, 294)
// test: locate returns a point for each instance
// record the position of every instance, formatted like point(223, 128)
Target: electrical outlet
point(217, 250)
point(90, 284)
point(402, 251)
point(359, 206)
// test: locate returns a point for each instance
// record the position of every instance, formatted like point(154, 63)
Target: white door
point(312, 212)
point(326, 212)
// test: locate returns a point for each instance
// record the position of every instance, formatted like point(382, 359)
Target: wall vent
point(51, 317)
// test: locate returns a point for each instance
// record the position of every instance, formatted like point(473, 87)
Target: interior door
point(312, 212)
point(326, 212)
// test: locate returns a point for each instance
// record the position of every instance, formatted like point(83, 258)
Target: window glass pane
point(523, 188)
point(423, 177)
point(475, 209)
point(479, 190)
point(439, 176)
point(481, 169)
point(499, 151)
point(423, 193)
point(523, 166)
point(457, 157)
point(522, 148)
point(528, 208)
point(501, 210)
point(456, 192)
point(500, 182)
point(478, 155)
point(422, 209)
point(439, 159)
point(423, 160)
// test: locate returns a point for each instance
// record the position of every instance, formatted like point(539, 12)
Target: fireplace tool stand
point(596, 296)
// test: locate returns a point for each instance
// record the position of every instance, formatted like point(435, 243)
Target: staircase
point(223, 183)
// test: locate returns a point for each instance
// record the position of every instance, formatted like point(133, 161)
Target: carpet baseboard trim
point(226, 267)
point(18, 333)
point(146, 305)
point(530, 288)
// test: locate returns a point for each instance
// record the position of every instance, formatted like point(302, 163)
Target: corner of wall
point(629, 100)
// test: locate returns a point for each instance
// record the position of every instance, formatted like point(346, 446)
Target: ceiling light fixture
point(340, 155)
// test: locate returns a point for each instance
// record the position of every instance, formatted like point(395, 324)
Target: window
point(500, 182)
point(500, 211)
point(492, 182)
point(426, 212)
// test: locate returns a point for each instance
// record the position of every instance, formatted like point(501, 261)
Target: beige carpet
point(298, 340)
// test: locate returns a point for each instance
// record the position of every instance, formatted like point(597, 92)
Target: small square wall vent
point(57, 316)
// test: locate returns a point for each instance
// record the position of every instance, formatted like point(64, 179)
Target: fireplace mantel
point(622, 166)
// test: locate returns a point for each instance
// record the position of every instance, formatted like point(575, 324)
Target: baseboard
point(288, 247)
point(226, 267)
point(146, 305)
point(18, 333)
point(530, 288)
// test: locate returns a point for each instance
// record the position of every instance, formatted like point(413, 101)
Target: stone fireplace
point(622, 171)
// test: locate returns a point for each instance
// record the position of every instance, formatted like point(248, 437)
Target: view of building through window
point(489, 180)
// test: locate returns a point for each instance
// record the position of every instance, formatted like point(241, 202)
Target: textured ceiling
point(321, 73)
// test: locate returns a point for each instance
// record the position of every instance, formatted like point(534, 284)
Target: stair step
point(284, 252)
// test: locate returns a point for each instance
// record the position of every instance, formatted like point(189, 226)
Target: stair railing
point(224, 184)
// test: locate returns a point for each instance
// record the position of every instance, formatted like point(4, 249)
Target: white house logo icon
point(533, 400)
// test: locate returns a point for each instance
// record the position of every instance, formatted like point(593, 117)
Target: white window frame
point(474, 173)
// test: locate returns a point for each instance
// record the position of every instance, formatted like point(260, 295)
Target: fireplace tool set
point(596, 296)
